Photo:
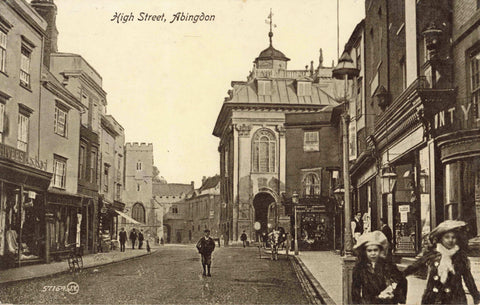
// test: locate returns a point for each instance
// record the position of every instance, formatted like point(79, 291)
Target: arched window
point(263, 151)
point(138, 212)
point(311, 185)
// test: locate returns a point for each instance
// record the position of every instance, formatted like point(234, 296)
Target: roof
point(283, 92)
point(171, 189)
point(210, 182)
point(271, 53)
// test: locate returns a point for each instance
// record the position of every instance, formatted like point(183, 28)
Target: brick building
point(313, 162)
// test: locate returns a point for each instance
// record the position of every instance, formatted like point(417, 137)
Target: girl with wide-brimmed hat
point(447, 264)
point(376, 280)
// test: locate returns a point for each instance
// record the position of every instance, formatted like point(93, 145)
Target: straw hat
point(372, 238)
point(446, 226)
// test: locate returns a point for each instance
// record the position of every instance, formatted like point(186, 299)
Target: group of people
point(377, 280)
point(133, 238)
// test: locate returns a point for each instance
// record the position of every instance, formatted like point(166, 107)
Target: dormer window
point(304, 88)
point(264, 87)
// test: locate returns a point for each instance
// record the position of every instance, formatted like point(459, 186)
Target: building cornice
point(85, 78)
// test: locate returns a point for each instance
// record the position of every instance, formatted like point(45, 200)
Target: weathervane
point(269, 21)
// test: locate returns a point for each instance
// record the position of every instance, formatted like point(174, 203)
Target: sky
point(166, 82)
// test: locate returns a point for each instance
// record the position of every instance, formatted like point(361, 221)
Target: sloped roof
point(283, 92)
point(210, 182)
point(171, 189)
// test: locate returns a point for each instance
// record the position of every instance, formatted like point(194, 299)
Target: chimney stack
point(48, 10)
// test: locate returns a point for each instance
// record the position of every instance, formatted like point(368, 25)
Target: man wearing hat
point(205, 247)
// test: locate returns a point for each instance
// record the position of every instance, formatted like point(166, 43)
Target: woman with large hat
point(376, 280)
point(447, 264)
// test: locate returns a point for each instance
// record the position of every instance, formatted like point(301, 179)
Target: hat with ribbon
point(446, 226)
point(376, 238)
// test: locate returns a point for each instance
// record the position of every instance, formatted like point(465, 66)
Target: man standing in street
point(243, 238)
point(133, 237)
point(123, 239)
point(205, 247)
point(140, 239)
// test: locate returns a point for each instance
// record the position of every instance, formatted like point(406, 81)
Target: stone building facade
point(251, 130)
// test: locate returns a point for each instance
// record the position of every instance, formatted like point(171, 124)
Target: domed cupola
point(271, 58)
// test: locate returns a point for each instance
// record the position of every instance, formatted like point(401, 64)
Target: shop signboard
point(310, 208)
point(16, 155)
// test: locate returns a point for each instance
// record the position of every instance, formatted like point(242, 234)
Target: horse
point(276, 238)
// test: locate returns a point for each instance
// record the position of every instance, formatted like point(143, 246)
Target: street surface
point(171, 275)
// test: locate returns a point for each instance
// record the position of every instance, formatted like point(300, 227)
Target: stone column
point(282, 161)
point(243, 188)
point(235, 174)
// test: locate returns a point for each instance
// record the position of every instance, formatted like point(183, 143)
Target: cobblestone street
point(172, 275)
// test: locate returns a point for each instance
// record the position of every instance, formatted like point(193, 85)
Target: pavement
point(171, 275)
point(89, 261)
point(324, 270)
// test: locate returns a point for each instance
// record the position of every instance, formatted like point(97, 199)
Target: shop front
point(23, 185)
point(108, 224)
point(64, 222)
point(315, 217)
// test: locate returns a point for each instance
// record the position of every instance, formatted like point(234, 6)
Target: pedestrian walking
point(447, 264)
point(243, 238)
point(376, 280)
point(133, 237)
point(140, 239)
point(123, 239)
point(148, 247)
point(205, 247)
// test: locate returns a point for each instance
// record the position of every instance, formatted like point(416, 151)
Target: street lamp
point(295, 202)
point(346, 70)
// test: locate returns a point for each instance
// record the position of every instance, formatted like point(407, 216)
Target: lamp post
point(346, 70)
point(295, 202)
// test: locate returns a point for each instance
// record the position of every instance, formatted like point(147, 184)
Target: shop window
point(59, 172)
point(138, 212)
point(60, 121)
point(264, 145)
point(311, 185)
point(311, 141)
point(25, 57)
point(3, 51)
point(22, 133)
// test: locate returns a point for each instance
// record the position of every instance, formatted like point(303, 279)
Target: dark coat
point(243, 237)
point(133, 235)
point(140, 236)
point(123, 236)
point(368, 283)
point(452, 291)
point(205, 246)
point(388, 233)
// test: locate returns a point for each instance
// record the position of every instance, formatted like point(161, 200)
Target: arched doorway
point(261, 201)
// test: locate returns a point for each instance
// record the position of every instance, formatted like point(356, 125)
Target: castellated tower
point(138, 190)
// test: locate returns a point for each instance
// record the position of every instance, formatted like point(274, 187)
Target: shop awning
point(128, 218)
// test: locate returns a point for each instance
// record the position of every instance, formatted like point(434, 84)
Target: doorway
point(261, 201)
